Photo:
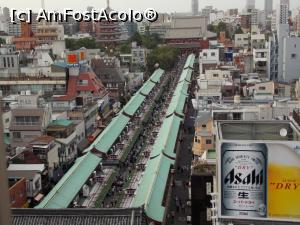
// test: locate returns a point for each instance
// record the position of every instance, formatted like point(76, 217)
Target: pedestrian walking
point(173, 216)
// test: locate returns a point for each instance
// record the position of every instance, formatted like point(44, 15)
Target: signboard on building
point(260, 180)
point(76, 58)
point(72, 58)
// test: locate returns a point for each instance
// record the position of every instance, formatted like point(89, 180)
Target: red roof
point(94, 85)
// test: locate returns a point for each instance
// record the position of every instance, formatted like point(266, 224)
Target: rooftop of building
point(42, 140)
point(61, 122)
point(131, 216)
point(107, 72)
point(93, 85)
point(26, 167)
point(203, 118)
point(276, 130)
point(181, 33)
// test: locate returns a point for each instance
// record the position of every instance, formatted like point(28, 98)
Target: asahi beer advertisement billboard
point(260, 180)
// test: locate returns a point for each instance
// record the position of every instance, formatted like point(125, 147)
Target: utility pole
point(5, 218)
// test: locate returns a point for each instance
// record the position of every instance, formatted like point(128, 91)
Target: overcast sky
point(159, 5)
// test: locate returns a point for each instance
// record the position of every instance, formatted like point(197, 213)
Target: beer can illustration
point(244, 180)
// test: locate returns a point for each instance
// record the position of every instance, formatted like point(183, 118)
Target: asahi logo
point(244, 174)
point(251, 178)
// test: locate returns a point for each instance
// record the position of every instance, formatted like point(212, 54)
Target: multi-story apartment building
point(28, 120)
point(204, 137)
point(9, 61)
point(65, 134)
point(49, 33)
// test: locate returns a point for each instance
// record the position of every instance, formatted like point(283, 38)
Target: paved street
point(179, 209)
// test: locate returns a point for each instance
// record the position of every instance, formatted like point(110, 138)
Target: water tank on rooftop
point(237, 99)
point(13, 105)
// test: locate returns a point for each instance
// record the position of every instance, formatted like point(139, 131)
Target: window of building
point(203, 125)
point(262, 88)
point(215, 75)
point(213, 54)
point(197, 140)
point(8, 62)
point(27, 120)
point(4, 61)
point(82, 82)
point(17, 135)
point(12, 62)
point(208, 141)
point(293, 56)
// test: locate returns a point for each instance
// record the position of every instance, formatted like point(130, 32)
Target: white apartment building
point(242, 41)
point(283, 12)
point(207, 58)
point(260, 58)
point(258, 41)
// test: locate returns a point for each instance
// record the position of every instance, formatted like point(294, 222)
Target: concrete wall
point(291, 59)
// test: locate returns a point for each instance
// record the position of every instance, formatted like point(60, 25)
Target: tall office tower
point(4, 19)
point(89, 8)
point(268, 7)
point(6, 14)
point(250, 5)
point(195, 7)
point(287, 2)
point(283, 12)
point(43, 4)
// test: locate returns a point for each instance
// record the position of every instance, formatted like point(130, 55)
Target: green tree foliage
point(149, 41)
point(220, 27)
point(165, 56)
point(89, 43)
point(239, 30)
point(2, 41)
point(125, 48)
point(136, 37)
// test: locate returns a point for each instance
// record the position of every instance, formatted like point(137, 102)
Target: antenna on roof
point(107, 3)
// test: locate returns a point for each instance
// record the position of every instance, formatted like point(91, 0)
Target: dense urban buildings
point(190, 119)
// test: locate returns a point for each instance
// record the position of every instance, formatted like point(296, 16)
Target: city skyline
point(139, 5)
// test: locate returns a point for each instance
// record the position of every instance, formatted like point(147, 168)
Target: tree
point(136, 37)
point(2, 41)
point(165, 56)
point(89, 43)
point(239, 30)
point(220, 27)
point(212, 28)
point(125, 48)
